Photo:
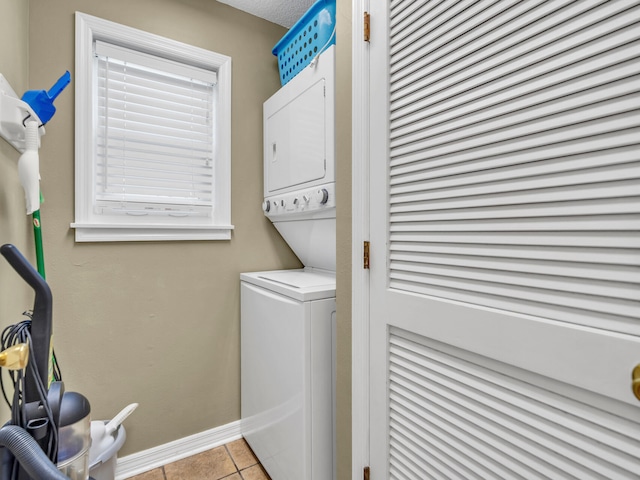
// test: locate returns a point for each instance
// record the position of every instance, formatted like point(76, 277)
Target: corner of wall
point(14, 225)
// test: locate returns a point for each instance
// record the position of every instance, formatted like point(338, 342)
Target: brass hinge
point(367, 26)
point(366, 255)
point(366, 473)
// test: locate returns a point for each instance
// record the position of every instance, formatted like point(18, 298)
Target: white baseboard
point(155, 457)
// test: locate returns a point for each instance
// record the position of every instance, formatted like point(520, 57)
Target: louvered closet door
point(505, 239)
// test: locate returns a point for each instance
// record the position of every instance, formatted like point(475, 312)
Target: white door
point(505, 239)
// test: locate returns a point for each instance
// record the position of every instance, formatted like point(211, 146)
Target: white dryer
point(288, 316)
point(299, 163)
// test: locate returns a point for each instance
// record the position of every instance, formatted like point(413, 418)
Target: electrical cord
point(13, 335)
point(323, 48)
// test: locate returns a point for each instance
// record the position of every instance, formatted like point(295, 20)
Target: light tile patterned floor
point(233, 461)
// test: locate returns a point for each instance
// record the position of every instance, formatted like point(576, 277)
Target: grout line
point(230, 475)
point(238, 471)
point(231, 457)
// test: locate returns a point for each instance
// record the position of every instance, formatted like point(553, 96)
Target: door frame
point(360, 233)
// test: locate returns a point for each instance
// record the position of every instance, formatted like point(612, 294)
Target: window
point(152, 137)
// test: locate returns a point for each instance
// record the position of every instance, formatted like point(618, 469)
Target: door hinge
point(367, 26)
point(366, 473)
point(365, 259)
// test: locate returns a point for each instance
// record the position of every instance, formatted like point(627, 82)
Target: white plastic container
point(103, 458)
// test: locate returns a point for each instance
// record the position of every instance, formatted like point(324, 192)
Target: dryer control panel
point(306, 202)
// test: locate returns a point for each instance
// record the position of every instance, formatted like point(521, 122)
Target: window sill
point(149, 233)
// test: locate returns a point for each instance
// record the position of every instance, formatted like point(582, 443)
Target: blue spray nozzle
point(41, 101)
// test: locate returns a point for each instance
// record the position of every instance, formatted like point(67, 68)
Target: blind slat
point(154, 92)
point(153, 63)
point(184, 114)
point(149, 125)
point(154, 144)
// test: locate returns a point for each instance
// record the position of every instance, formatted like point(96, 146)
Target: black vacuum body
point(57, 423)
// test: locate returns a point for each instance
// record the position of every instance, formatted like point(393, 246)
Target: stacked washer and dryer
point(288, 316)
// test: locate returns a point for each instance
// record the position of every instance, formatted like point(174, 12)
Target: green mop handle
point(37, 235)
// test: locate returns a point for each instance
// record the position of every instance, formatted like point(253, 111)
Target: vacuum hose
point(29, 454)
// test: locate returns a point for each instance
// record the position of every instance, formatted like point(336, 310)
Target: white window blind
point(155, 135)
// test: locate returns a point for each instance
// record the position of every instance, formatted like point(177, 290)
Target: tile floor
point(233, 461)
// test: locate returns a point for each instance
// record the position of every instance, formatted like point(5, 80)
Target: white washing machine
point(288, 316)
point(288, 320)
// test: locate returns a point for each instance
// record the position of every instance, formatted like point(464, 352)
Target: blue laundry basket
point(309, 37)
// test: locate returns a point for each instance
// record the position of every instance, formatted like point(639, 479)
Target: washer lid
point(302, 285)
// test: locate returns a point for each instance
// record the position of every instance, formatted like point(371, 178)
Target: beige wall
point(343, 247)
point(155, 322)
point(14, 224)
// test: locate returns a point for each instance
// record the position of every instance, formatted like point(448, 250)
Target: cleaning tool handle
point(22, 266)
point(29, 168)
point(41, 321)
point(37, 235)
point(60, 85)
point(119, 418)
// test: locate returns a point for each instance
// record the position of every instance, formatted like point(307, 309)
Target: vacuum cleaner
point(49, 434)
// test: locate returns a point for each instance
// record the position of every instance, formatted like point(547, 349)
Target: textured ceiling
point(282, 12)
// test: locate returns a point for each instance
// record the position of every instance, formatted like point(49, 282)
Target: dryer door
point(295, 140)
point(299, 130)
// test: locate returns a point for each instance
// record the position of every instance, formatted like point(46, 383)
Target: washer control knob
point(306, 199)
point(323, 196)
point(266, 206)
point(296, 201)
point(282, 203)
